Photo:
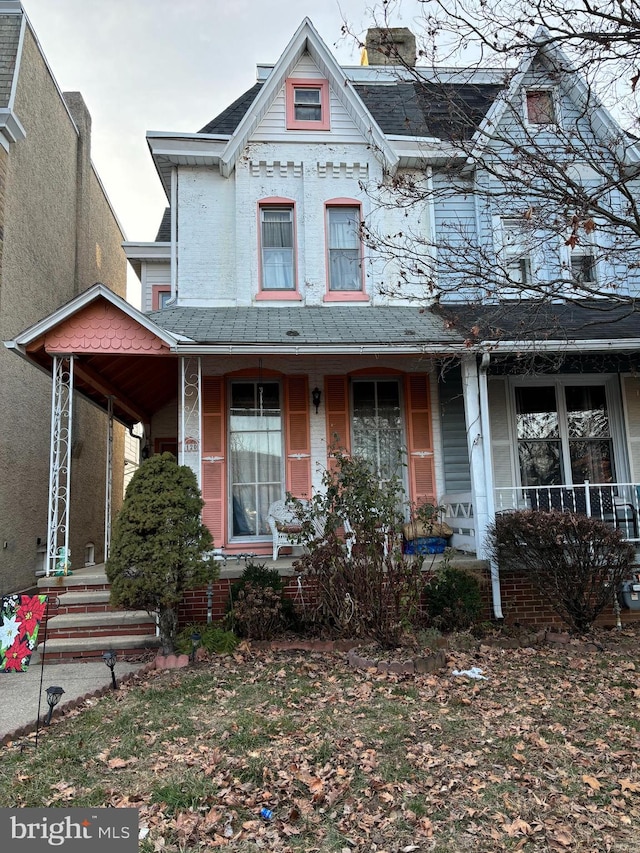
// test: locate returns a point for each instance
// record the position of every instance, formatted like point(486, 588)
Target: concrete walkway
point(19, 691)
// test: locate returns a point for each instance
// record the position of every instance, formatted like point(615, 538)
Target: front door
point(255, 452)
point(377, 428)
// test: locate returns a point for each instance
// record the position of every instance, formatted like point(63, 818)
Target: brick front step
point(83, 601)
point(110, 619)
point(82, 624)
point(125, 646)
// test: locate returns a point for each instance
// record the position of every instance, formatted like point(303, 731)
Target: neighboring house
point(269, 332)
point(58, 234)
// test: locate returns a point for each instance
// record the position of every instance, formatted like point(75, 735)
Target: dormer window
point(540, 107)
point(307, 104)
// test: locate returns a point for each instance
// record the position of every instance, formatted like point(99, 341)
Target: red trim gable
point(101, 327)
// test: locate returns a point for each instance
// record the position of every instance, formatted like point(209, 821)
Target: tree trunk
point(168, 626)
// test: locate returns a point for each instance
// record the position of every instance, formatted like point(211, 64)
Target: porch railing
point(617, 504)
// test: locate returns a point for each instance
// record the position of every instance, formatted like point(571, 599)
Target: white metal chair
point(285, 526)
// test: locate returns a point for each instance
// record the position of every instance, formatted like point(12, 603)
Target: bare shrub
point(574, 561)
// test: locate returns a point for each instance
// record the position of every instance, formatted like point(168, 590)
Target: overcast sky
point(172, 65)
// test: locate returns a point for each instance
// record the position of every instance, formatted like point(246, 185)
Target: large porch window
point(377, 428)
point(255, 451)
point(564, 434)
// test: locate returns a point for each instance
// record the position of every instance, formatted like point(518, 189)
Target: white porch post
point(60, 461)
point(476, 408)
point(190, 419)
point(108, 487)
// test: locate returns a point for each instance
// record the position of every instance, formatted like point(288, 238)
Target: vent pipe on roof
point(390, 46)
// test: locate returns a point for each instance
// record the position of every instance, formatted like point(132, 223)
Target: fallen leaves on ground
point(543, 756)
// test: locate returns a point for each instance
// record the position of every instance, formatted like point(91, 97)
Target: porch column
point(60, 463)
point(190, 416)
point(480, 464)
point(108, 483)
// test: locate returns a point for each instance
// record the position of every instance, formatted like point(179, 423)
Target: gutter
point(491, 508)
point(186, 347)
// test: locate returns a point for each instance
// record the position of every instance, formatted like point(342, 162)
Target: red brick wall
point(521, 604)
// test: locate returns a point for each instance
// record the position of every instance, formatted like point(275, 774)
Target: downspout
point(174, 234)
point(486, 442)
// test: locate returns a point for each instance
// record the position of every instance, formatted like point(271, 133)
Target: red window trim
point(156, 290)
point(325, 117)
point(342, 295)
point(280, 295)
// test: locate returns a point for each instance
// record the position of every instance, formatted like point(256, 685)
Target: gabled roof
point(121, 355)
point(547, 49)
point(228, 120)
point(93, 293)
point(307, 40)
point(401, 108)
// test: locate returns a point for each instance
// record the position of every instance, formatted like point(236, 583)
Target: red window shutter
point(297, 436)
point(336, 404)
point(422, 475)
point(213, 445)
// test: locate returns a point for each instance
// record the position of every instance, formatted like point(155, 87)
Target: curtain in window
point(344, 249)
point(277, 250)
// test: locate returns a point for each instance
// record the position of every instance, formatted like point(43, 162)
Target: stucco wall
point(45, 262)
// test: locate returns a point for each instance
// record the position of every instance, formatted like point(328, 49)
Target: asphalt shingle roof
point(229, 119)
point(9, 39)
point(589, 320)
point(308, 325)
point(405, 109)
point(164, 230)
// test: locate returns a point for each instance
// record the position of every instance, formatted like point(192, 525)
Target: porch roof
point(314, 328)
point(588, 325)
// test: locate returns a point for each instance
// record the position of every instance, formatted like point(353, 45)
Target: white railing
point(457, 512)
point(614, 503)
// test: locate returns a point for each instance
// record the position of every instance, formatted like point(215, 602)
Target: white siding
point(455, 233)
point(153, 273)
point(273, 126)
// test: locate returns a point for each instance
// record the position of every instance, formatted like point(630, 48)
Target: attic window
point(307, 104)
point(540, 108)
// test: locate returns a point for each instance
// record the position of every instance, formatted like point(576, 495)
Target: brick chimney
point(390, 46)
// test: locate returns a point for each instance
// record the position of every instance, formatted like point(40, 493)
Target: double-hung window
point(516, 251)
point(277, 247)
point(583, 264)
point(307, 104)
point(344, 248)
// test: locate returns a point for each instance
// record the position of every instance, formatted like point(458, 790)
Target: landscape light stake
point(195, 642)
point(54, 694)
point(110, 659)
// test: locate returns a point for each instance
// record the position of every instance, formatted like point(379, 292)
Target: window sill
point(278, 296)
point(346, 296)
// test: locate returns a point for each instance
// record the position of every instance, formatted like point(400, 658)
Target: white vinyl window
point(307, 103)
point(583, 264)
point(516, 252)
point(344, 248)
point(278, 269)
